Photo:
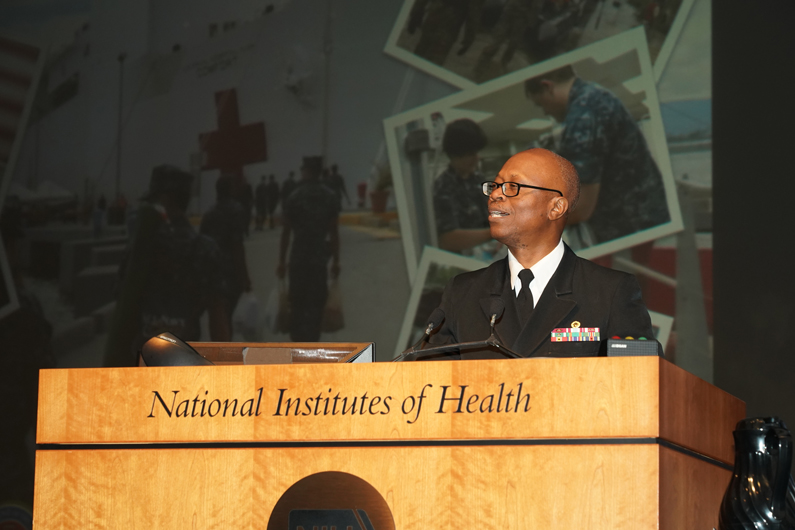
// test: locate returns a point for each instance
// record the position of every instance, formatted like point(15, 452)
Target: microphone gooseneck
point(436, 318)
point(496, 309)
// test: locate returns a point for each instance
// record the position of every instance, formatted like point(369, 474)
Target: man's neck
point(461, 172)
point(530, 255)
point(563, 90)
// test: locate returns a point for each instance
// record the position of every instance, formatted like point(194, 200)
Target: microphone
point(496, 309)
point(436, 318)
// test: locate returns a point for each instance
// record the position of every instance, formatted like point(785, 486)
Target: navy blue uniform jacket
point(579, 291)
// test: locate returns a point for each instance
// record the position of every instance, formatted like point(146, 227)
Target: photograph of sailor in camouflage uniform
point(460, 212)
point(599, 110)
point(474, 41)
point(621, 186)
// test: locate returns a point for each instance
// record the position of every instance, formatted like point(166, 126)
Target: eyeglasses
point(511, 189)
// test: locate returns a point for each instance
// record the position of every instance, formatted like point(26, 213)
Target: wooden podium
point(593, 443)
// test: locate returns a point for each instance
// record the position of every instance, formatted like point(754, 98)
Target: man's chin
point(499, 235)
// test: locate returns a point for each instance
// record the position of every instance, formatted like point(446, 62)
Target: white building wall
point(274, 61)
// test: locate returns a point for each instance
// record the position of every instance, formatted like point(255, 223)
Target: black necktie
point(524, 302)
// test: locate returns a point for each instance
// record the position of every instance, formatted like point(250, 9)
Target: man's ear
point(560, 206)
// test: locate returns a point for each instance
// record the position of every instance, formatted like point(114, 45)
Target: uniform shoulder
point(486, 274)
point(589, 269)
point(589, 95)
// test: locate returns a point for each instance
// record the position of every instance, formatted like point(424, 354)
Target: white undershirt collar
point(542, 271)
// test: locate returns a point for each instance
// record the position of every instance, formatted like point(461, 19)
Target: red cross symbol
point(233, 145)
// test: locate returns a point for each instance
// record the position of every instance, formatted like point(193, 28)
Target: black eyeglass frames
point(511, 189)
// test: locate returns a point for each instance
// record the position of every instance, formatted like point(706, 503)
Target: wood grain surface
point(561, 398)
point(698, 415)
point(691, 491)
point(598, 487)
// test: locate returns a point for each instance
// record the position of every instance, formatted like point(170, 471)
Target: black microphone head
point(496, 307)
point(436, 318)
point(166, 349)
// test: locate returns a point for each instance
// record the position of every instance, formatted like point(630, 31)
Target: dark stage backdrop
point(753, 78)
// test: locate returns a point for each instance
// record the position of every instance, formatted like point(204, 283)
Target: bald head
point(558, 172)
point(567, 174)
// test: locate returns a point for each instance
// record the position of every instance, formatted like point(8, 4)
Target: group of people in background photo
point(175, 272)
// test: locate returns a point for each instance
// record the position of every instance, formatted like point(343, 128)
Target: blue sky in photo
point(683, 117)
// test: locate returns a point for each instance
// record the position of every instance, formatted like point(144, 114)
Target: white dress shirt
point(542, 271)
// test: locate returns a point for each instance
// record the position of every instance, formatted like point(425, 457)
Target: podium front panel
point(599, 443)
point(464, 400)
point(599, 487)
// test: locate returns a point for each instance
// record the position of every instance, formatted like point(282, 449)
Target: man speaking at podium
point(556, 304)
